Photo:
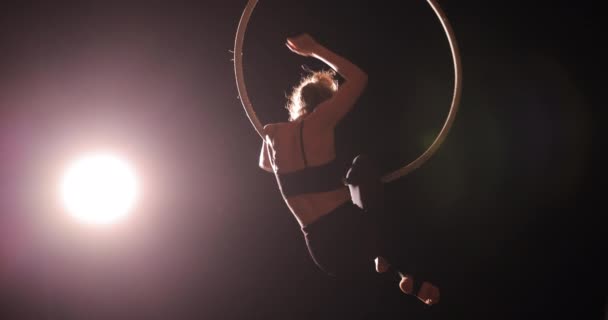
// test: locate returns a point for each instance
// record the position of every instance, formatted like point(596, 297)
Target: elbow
point(364, 78)
point(266, 168)
point(361, 76)
point(263, 165)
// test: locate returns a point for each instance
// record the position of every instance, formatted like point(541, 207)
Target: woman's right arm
point(356, 79)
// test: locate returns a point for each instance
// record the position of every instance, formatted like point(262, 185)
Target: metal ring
point(238, 69)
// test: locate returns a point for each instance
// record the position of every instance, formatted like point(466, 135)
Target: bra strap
point(302, 143)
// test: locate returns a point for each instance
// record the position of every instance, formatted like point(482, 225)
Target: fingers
point(301, 44)
point(303, 38)
point(299, 36)
point(296, 50)
point(291, 47)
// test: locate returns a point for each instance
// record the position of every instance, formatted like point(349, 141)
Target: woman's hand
point(303, 44)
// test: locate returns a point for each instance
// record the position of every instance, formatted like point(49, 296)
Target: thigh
point(345, 242)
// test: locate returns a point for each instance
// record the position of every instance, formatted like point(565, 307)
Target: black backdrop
point(502, 214)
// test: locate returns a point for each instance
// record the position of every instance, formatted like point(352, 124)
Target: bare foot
point(406, 284)
point(428, 293)
point(382, 265)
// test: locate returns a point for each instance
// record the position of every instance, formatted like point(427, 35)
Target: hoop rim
point(391, 176)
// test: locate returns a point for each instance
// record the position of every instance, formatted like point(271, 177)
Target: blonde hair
point(313, 89)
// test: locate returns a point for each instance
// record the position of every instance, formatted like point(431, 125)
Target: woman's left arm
point(264, 161)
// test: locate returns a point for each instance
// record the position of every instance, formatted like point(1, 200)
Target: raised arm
point(344, 99)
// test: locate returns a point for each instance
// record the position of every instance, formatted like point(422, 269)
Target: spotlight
point(99, 189)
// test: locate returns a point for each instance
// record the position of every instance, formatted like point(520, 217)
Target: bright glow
point(99, 189)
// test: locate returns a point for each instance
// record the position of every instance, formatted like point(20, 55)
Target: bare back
point(285, 155)
point(282, 150)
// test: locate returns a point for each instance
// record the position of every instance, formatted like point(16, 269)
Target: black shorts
point(344, 242)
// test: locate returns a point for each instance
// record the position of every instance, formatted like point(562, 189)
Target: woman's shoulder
point(269, 127)
point(272, 128)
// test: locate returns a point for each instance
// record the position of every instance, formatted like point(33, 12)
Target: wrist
point(318, 51)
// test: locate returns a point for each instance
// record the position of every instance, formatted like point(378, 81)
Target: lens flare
point(99, 189)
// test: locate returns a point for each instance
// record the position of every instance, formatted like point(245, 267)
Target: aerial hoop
point(238, 69)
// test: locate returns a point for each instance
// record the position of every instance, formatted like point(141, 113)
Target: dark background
point(501, 216)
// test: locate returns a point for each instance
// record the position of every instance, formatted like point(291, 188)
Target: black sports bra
point(326, 177)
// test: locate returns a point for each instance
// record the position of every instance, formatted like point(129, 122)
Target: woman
point(302, 155)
